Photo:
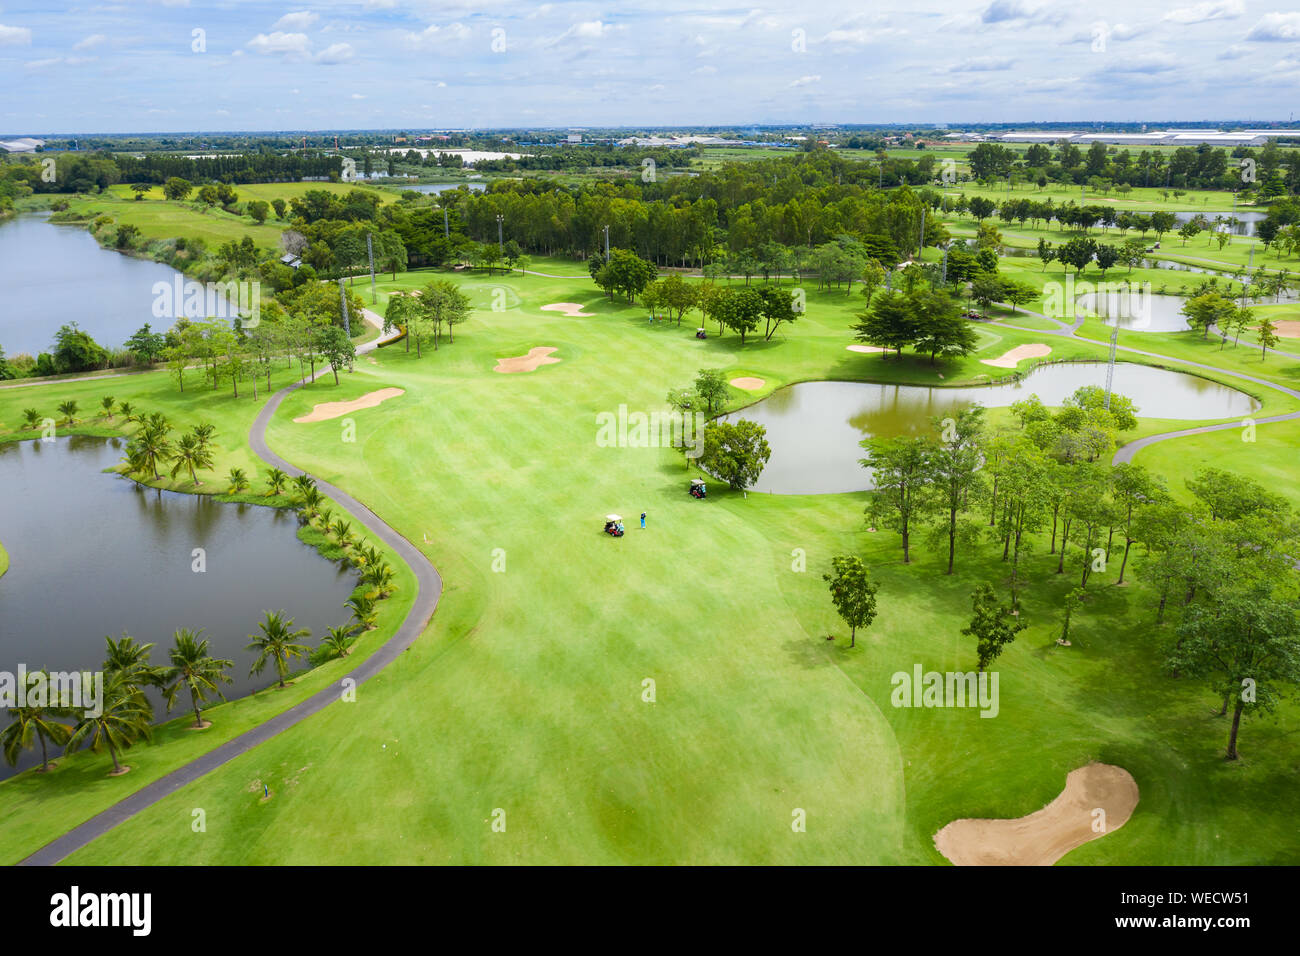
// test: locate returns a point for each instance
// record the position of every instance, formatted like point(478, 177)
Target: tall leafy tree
point(901, 469)
point(992, 625)
point(954, 472)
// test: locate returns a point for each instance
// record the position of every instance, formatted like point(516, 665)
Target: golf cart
point(697, 488)
point(614, 525)
point(699, 334)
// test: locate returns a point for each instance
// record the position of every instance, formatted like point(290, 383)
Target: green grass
point(525, 694)
point(4, 559)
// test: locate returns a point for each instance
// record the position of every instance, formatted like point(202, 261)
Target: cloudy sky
point(179, 65)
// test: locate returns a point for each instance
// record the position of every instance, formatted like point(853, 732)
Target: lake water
point(58, 274)
point(1248, 219)
point(96, 554)
point(436, 188)
point(814, 428)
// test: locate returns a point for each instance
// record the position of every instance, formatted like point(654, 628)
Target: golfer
point(643, 519)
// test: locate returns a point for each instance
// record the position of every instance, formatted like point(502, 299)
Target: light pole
point(607, 243)
point(500, 246)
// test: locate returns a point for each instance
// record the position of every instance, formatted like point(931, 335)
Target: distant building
point(22, 145)
point(574, 138)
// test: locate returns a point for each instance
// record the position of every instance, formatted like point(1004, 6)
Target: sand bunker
point(568, 308)
point(748, 383)
point(1045, 836)
point(326, 410)
point(1287, 328)
point(867, 348)
point(540, 355)
point(1019, 354)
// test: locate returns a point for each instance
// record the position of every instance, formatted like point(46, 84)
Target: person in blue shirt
point(643, 519)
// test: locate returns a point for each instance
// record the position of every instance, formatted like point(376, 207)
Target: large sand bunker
point(568, 308)
point(866, 348)
point(1287, 328)
point(1043, 837)
point(327, 410)
point(539, 355)
point(748, 383)
point(1019, 354)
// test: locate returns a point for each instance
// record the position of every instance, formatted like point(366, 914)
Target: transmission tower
point(1110, 364)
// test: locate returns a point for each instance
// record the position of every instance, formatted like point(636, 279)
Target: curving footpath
point(429, 590)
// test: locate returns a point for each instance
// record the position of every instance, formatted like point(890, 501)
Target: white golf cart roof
point(697, 481)
point(613, 517)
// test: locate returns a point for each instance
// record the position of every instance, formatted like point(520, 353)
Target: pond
point(57, 274)
point(96, 554)
point(814, 428)
point(1247, 220)
point(1138, 311)
point(436, 188)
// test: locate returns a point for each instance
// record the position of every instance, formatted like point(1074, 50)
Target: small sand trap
point(866, 348)
point(748, 383)
point(1043, 837)
point(1018, 354)
point(540, 355)
point(568, 308)
point(327, 410)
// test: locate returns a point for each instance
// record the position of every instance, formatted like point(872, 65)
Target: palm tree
point(380, 577)
point(303, 484)
point(342, 530)
point(107, 403)
point(277, 643)
point(151, 446)
point(194, 669)
point(68, 410)
point(29, 724)
point(131, 660)
point(238, 480)
point(127, 411)
point(311, 500)
point(33, 417)
point(158, 422)
point(325, 515)
point(190, 453)
point(337, 641)
point(275, 481)
point(204, 434)
point(124, 718)
point(363, 611)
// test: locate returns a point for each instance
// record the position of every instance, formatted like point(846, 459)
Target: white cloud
point(434, 35)
point(981, 64)
point(15, 36)
point(805, 81)
point(90, 41)
point(1276, 27)
point(280, 44)
point(358, 96)
point(1210, 10)
point(296, 22)
point(1006, 11)
point(335, 53)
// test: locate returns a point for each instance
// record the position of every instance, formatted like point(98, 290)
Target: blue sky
point(139, 65)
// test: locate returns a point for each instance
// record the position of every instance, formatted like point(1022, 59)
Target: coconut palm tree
point(337, 642)
point(275, 481)
point(363, 611)
point(127, 411)
point(311, 500)
point(303, 483)
point(151, 446)
point(325, 514)
point(380, 577)
point(238, 480)
point(124, 718)
point(131, 660)
point(277, 643)
point(190, 453)
point(32, 417)
point(204, 433)
point(195, 670)
point(30, 724)
point(342, 530)
point(158, 422)
point(68, 410)
point(107, 403)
